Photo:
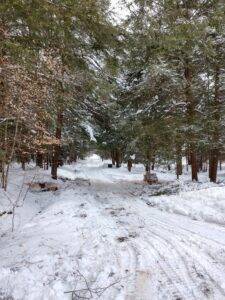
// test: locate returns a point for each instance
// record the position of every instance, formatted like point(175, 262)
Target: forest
point(103, 102)
point(152, 86)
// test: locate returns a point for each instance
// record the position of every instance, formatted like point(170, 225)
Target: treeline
point(51, 54)
point(152, 87)
point(171, 99)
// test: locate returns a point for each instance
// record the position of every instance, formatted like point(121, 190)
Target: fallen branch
point(82, 293)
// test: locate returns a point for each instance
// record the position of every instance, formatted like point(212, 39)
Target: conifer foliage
point(150, 87)
point(46, 72)
point(171, 101)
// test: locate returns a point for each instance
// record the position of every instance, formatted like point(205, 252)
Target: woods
point(150, 86)
point(47, 54)
point(112, 149)
point(170, 103)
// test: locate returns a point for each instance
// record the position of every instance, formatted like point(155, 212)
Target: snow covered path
point(104, 242)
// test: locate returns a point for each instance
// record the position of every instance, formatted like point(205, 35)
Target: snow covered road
point(104, 242)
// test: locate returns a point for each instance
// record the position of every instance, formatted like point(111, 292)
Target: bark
point(39, 159)
point(187, 162)
point(2, 94)
point(153, 166)
point(23, 160)
point(190, 104)
point(200, 163)
point(5, 173)
point(3, 97)
point(46, 161)
point(23, 164)
point(129, 165)
point(190, 119)
point(194, 165)
point(118, 158)
point(213, 164)
point(57, 147)
point(214, 151)
point(147, 168)
point(179, 167)
point(188, 157)
point(3, 88)
point(113, 157)
point(4, 156)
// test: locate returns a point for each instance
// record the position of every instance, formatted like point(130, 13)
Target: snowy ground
point(116, 239)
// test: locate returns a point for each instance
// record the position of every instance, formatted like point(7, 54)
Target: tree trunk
point(56, 147)
point(5, 173)
point(187, 162)
point(72, 154)
point(23, 164)
point(39, 159)
point(190, 120)
point(214, 151)
point(113, 157)
point(153, 166)
point(200, 163)
point(3, 109)
point(129, 165)
point(194, 167)
point(47, 161)
point(179, 167)
point(190, 103)
point(23, 160)
point(213, 164)
point(118, 158)
point(3, 86)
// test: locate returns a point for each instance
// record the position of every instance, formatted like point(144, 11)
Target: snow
point(120, 11)
point(206, 204)
point(90, 131)
point(115, 239)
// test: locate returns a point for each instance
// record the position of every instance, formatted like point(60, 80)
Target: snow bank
point(206, 204)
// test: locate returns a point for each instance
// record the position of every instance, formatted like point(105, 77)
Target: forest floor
point(106, 235)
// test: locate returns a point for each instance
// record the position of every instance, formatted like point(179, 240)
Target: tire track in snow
point(202, 260)
point(183, 264)
point(126, 257)
point(179, 271)
point(194, 292)
point(172, 278)
point(179, 261)
point(183, 231)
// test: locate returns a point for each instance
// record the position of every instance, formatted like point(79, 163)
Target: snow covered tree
point(57, 40)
